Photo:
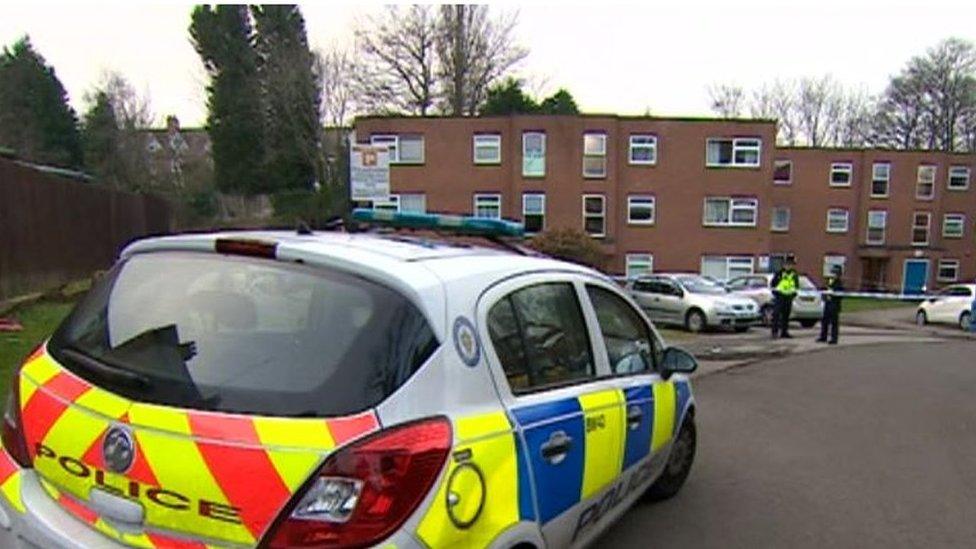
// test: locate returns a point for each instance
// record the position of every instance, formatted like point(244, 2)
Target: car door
point(567, 411)
point(651, 407)
point(941, 307)
point(672, 301)
point(648, 294)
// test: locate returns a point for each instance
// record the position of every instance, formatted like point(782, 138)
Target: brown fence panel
point(54, 230)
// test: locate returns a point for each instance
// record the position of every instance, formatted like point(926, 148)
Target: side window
point(960, 291)
point(670, 288)
point(628, 342)
point(548, 321)
point(738, 284)
point(643, 286)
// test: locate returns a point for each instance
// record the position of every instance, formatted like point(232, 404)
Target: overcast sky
point(622, 58)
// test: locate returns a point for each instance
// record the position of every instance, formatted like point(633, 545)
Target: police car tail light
point(13, 425)
point(364, 492)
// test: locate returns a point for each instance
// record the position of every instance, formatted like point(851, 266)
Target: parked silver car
point(692, 301)
point(807, 307)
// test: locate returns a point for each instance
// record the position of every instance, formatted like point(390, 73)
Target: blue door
point(916, 276)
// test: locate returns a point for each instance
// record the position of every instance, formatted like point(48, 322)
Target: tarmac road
point(871, 446)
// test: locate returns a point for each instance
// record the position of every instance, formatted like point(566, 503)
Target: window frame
point(632, 146)
point(729, 260)
point(496, 138)
point(483, 196)
point(883, 228)
point(930, 182)
point(392, 203)
point(949, 177)
point(737, 146)
point(656, 345)
point(828, 265)
point(641, 198)
point(772, 219)
point(841, 167)
point(731, 205)
point(503, 292)
point(525, 213)
point(542, 141)
point(387, 138)
point(886, 179)
point(423, 149)
point(778, 164)
point(423, 200)
point(847, 220)
point(602, 215)
point(962, 225)
point(638, 258)
point(951, 263)
point(927, 227)
point(602, 154)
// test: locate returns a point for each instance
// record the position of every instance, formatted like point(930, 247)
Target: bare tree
point(474, 51)
point(398, 56)
point(777, 101)
point(336, 69)
point(727, 100)
point(853, 127)
point(132, 109)
point(116, 144)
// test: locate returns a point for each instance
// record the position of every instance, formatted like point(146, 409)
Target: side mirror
point(677, 361)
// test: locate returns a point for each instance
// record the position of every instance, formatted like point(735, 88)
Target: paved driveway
point(870, 446)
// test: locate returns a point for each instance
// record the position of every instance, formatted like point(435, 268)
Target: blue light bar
point(440, 222)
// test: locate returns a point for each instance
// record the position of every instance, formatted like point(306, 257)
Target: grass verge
point(860, 304)
point(39, 320)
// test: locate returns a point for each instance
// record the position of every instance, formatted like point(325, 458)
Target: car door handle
point(555, 449)
point(634, 417)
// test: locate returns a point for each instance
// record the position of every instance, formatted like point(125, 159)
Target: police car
point(343, 389)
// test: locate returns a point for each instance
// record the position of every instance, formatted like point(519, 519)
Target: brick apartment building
point(705, 195)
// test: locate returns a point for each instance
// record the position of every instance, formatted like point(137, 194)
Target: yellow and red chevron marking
point(10, 474)
point(215, 475)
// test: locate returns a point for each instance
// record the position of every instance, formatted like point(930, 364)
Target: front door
point(916, 276)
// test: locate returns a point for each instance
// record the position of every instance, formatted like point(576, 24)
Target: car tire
point(695, 321)
point(921, 319)
point(679, 463)
point(808, 323)
point(741, 329)
point(766, 314)
point(964, 320)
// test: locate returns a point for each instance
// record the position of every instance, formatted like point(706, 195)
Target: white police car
point(335, 389)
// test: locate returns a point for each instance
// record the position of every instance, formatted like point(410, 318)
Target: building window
point(404, 149)
point(953, 225)
point(594, 155)
point(534, 212)
point(948, 270)
point(488, 205)
point(640, 210)
point(391, 204)
point(880, 176)
point(831, 261)
point(838, 220)
point(643, 149)
point(958, 178)
point(877, 224)
point(594, 215)
point(782, 172)
point(925, 183)
point(413, 203)
point(638, 264)
point(841, 174)
point(738, 152)
point(731, 212)
point(726, 267)
point(533, 154)
point(487, 149)
point(780, 221)
point(920, 228)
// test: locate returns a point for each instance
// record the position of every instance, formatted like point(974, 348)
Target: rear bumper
point(44, 524)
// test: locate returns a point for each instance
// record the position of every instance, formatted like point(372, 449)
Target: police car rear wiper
point(106, 369)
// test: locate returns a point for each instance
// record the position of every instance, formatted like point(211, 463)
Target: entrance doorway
point(916, 276)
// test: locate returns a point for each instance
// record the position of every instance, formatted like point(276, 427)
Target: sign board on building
point(369, 172)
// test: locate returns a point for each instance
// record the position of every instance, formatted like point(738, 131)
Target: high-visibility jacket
point(786, 282)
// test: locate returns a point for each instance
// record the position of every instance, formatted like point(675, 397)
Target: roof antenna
point(303, 228)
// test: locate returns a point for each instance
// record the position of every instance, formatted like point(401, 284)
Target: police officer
point(831, 315)
point(785, 284)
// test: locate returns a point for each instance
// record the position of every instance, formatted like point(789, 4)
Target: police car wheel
point(808, 323)
point(964, 320)
point(679, 463)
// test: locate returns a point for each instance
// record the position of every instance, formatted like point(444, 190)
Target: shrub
point(570, 245)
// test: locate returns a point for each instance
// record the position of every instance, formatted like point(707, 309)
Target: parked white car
point(692, 301)
point(953, 305)
point(807, 307)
